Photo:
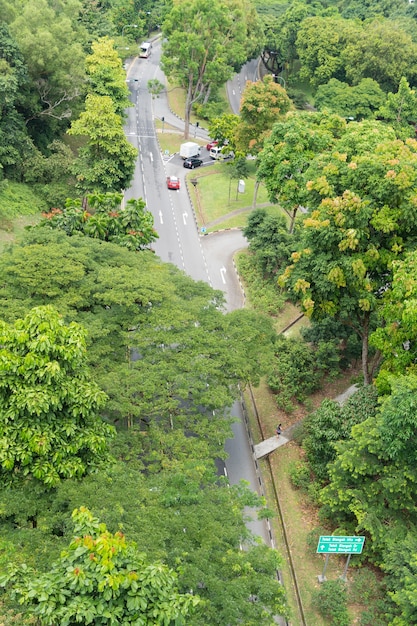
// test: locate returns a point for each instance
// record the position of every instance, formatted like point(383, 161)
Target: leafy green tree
point(107, 161)
point(206, 42)
point(396, 337)
point(14, 138)
point(48, 38)
point(102, 579)
point(320, 44)
point(288, 152)
point(363, 220)
point(400, 560)
point(281, 32)
point(400, 109)
point(381, 50)
point(295, 372)
point(331, 423)
point(223, 129)
point(263, 103)
point(49, 427)
point(106, 74)
point(137, 305)
point(360, 101)
point(130, 227)
point(373, 478)
point(269, 240)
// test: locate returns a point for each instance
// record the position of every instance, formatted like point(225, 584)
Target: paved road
point(207, 258)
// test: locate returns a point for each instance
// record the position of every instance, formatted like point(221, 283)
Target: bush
point(264, 296)
point(331, 602)
point(299, 474)
point(294, 373)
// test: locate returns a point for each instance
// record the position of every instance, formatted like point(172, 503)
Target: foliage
point(359, 101)
point(288, 153)
point(264, 295)
point(400, 109)
point(14, 142)
point(48, 405)
point(396, 338)
point(205, 42)
point(372, 479)
point(331, 602)
point(331, 423)
point(102, 579)
point(106, 74)
point(18, 199)
point(262, 104)
point(295, 372)
point(198, 524)
point(107, 161)
point(136, 305)
point(400, 563)
point(299, 474)
point(269, 241)
point(49, 39)
point(51, 175)
point(363, 220)
point(223, 129)
point(130, 227)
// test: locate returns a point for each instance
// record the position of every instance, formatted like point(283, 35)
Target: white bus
point(145, 50)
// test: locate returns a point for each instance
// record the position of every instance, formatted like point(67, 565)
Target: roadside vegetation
point(118, 370)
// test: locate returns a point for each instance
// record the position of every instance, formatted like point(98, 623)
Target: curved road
point(208, 258)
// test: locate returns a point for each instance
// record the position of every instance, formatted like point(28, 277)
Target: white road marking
point(160, 217)
point(222, 274)
point(184, 218)
point(151, 157)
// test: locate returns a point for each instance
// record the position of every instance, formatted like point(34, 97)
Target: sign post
point(333, 544)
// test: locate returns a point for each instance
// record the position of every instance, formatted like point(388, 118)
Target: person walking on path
point(278, 430)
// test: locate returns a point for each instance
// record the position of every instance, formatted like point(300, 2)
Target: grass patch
point(171, 141)
point(17, 199)
point(213, 193)
point(263, 296)
point(176, 100)
point(16, 228)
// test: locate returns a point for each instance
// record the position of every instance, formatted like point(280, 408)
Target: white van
point(216, 153)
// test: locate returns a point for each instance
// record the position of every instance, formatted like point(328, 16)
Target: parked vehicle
point(145, 49)
point(189, 149)
point(211, 144)
point(173, 182)
point(217, 153)
point(193, 162)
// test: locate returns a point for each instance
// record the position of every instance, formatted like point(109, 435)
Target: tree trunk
point(292, 223)
point(255, 193)
point(365, 351)
point(188, 107)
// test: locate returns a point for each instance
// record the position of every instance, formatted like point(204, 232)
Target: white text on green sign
point(340, 544)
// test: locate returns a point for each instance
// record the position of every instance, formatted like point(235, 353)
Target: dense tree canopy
point(102, 579)
point(107, 161)
point(49, 423)
point(288, 152)
point(207, 40)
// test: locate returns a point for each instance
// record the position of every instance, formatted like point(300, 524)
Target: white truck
point(189, 149)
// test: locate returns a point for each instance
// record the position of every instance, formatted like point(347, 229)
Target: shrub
point(299, 474)
point(331, 602)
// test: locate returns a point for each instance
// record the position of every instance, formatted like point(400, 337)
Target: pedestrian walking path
point(273, 443)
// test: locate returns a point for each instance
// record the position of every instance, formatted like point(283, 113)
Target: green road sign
point(340, 545)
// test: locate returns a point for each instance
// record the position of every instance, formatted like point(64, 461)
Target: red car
point(173, 182)
point(211, 144)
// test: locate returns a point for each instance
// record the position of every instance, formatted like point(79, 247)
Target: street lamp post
point(126, 26)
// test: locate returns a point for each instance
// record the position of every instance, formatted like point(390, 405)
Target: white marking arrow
point(222, 274)
point(184, 217)
point(151, 157)
point(233, 91)
point(160, 217)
